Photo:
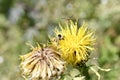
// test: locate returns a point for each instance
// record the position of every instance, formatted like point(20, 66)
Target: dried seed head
point(42, 64)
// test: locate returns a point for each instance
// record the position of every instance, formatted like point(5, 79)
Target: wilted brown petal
point(42, 64)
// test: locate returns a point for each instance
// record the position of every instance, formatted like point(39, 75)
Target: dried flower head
point(73, 42)
point(41, 64)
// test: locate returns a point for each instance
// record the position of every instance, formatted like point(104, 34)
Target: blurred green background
point(30, 21)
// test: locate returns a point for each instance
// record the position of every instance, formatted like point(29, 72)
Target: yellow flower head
point(42, 64)
point(74, 42)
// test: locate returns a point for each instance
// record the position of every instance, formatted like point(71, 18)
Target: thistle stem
point(84, 71)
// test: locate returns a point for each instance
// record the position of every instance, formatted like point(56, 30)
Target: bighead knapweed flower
point(41, 64)
point(74, 42)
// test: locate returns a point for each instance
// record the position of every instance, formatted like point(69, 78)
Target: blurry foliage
point(24, 21)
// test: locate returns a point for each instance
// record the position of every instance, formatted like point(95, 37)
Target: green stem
point(84, 71)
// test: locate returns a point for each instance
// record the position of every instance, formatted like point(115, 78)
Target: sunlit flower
point(41, 64)
point(74, 42)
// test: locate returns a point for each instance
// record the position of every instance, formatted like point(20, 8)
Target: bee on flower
point(42, 64)
point(74, 42)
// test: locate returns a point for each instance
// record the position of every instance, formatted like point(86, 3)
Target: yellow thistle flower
point(73, 42)
point(41, 64)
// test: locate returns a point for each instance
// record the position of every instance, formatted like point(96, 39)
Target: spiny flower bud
point(42, 64)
